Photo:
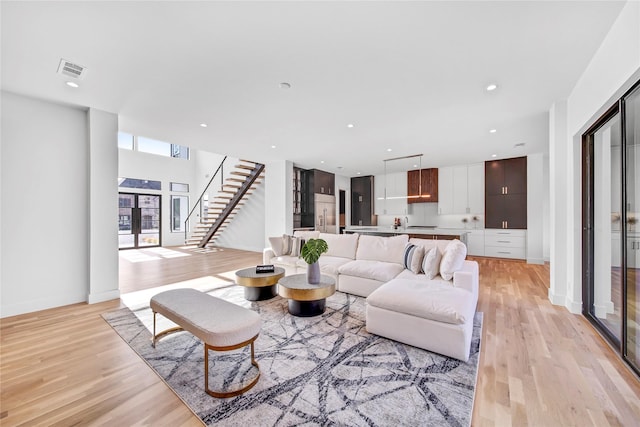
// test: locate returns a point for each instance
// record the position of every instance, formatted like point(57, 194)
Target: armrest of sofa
point(468, 277)
point(267, 255)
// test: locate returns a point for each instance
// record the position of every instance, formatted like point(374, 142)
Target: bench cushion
point(431, 300)
point(216, 322)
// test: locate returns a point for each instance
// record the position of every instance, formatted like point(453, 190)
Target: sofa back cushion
point(341, 245)
point(378, 248)
point(307, 234)
point(430, 243)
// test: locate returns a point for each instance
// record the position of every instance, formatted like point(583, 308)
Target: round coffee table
point(259, 286)
point(305, 299)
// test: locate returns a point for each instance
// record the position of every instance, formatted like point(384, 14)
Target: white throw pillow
point(431, 263)
point(287, 243)
point(296, 245)
point(413, 258)
point(276, 245)
point(452, 259)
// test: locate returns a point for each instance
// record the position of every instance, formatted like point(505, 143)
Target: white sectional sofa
point(403, 304)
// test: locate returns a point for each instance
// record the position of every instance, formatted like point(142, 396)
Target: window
point(161, 148)
point(179, 187)
point(179, 212)
point(125, 141)
point(139, 183)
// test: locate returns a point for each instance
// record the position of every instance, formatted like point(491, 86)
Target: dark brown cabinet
point(422, 186)
point(362, 207)
point(506, 193)
point(323, 182)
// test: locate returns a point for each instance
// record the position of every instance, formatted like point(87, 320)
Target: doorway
point(139, 220)
point(611, 236)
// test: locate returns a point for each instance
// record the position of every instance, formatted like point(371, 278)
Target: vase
point(313, 273)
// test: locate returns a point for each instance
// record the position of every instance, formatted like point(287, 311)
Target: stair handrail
point(220, 169)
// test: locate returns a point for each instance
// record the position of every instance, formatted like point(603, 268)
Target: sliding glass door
point(610, 237)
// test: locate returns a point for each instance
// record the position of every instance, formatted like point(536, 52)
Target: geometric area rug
point(323, 370)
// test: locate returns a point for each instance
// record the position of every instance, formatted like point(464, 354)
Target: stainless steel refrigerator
point(325, 213)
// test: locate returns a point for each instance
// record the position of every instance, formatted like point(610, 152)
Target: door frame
point(136, 235)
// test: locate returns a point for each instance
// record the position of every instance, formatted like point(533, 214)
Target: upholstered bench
point(221, 325)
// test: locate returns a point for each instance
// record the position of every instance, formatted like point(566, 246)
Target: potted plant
point(310, 252)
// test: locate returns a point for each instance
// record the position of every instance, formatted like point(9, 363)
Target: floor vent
point(70, 69)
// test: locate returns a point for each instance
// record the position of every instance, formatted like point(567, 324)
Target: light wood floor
point(539, 364)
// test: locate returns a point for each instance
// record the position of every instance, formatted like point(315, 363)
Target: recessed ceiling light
point(357, 173)
point(491, 87)
point(203, 125)
point(350, 125)
point(494, 155)
point(73, 84)
point(285, 85)
point(273, 146)
point(389, 149)
point(322, 161)
point(492, 131)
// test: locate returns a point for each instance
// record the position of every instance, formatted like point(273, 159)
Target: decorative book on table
point(265, 268)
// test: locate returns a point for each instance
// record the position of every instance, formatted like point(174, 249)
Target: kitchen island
point(412, 231)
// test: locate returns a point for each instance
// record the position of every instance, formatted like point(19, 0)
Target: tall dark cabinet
point(506, 193)
point(307, 183)
point(362, 207)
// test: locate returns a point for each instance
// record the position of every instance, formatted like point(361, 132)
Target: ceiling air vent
point(67, 68)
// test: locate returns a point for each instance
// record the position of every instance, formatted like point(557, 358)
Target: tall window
point(179, 212)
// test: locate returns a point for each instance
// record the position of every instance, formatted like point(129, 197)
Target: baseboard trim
point(557, 299)
point(40, 304)
point(535, 261)
point(103, 296)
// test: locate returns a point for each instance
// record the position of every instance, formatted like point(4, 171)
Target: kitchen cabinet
point(502, 243)
point(506, 193)
point(323, 182)
point(422, 185)
point(362, 201)
point(461, 189)
point(475, 242)
point(633, 251)
point(391, 194)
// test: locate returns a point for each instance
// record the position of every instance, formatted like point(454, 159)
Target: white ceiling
point(410, 76)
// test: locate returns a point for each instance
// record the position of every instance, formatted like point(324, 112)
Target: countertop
point(411, 230)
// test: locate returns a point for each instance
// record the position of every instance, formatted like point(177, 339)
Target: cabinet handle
point(504, 241)
point(502, 190)
point(508, 253)
point(506, 190)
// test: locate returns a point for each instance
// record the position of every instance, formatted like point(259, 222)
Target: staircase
point(218, 212)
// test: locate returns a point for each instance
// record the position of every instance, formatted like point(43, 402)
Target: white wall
point(278, 205)
point(135, 164)
point(611, 72)
point(45, 205)
point(103, 206)
point(535, 208)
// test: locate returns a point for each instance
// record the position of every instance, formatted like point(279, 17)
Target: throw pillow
point(413, 258)
point(452, 259)
point(296, 245)
point(431, 263)
point(286, 244)
point(276, 245)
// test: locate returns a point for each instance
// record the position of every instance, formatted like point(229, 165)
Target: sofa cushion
point(431, 263)
point(285, 260)
point(452, 259)
point(341, 245)
point(375, 270)
point(328, 264)
point(406, 274)
point(307, 234)
point(277, 246)
point(430, 243)
point(412, 259)
point(432, 300)
point(378, 248)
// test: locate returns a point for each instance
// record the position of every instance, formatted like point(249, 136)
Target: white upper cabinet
point(475, 188)
point(461, 189)
point(391, 194)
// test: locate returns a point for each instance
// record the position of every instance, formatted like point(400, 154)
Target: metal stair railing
point(199, 202)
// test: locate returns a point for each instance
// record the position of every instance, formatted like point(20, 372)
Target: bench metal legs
point(208, 347)
point(232, 393)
